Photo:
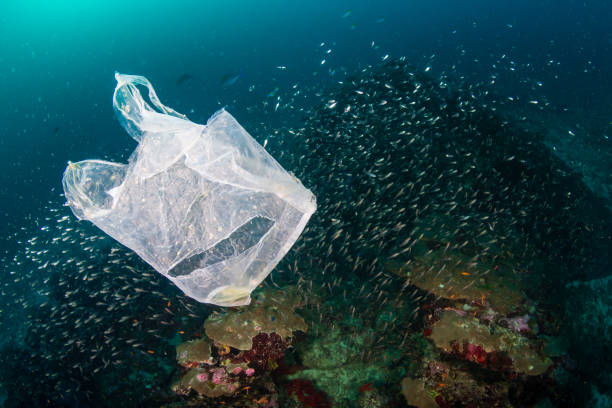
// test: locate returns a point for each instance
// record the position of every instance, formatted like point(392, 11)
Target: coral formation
point(195, 352)
point(266, 350)
point(272, 311)
point(222, 366)
point(466, 337)
point(208, 382)
point(446, 384)
point(454, 275)
point(335, 363)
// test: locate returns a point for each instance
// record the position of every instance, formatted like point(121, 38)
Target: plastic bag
point(205, 205)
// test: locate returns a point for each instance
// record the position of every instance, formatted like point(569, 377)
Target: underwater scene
point(272, 204)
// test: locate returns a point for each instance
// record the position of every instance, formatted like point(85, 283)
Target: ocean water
point(460, 253)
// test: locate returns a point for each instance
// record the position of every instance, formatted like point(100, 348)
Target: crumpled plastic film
point(205, 205)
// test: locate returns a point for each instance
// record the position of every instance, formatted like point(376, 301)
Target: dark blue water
point(58, 62)
point(544, 66)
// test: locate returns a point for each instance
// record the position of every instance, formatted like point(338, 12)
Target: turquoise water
point(460, 158)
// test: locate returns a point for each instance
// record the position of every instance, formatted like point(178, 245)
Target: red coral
point(266, 348)
point(474, 353)
point(494, 360)
point(307, 394)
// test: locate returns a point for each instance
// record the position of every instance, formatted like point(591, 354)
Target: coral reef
point(208, 382)
point(487, 346)
point(445, 384)
point(454, 275)
point(272, 311)
point(222, 367)
point(335, 363)
point(266, 350)
point(477, 315)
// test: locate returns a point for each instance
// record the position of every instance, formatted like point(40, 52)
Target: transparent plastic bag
point(205, 205)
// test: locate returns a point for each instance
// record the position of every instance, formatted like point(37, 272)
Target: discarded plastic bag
point(205, 205)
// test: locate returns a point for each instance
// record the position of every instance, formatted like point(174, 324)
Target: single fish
point(230, 79)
